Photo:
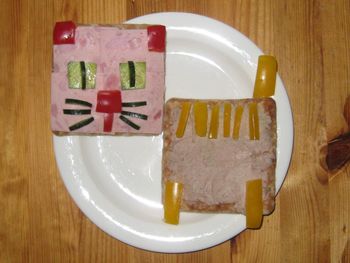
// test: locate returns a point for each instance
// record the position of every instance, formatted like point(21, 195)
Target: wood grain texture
point(311, 41)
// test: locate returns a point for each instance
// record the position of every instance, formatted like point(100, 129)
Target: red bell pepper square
point(109, 101)
point(156, 38)
point(64, 33)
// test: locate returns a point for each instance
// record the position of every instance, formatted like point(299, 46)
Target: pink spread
point(107, 47)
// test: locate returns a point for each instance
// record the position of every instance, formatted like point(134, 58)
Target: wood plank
point(304, 197)
point(14, 181)
point(336, 57)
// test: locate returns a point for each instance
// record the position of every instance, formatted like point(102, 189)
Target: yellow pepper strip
point(214, 122)
point(254, 131)
point(200, 118)
point(172, 202)
point(265, 80)
point(227, 119)
point(185, 112)
point(254, 203)
point(237, 122)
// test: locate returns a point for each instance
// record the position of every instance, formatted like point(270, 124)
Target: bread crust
point(170, 144)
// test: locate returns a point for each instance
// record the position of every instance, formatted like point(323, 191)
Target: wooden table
point(39, 222)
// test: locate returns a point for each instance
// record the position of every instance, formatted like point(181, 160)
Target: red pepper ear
point(64, 33)
point(156, 38)
point(109, 101)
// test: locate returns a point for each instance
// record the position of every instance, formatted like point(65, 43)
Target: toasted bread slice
point(214, 171)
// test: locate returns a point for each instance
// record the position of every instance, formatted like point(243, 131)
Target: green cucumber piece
point(140, 75)
point(75, 74)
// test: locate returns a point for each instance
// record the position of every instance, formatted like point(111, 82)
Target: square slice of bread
point(214, 171)
point(109, 81)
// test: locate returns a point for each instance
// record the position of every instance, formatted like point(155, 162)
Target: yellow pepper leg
point(254, 203)
point(265, 80)
point(172, 202)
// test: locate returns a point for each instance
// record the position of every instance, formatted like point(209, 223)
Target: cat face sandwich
point(108, 79)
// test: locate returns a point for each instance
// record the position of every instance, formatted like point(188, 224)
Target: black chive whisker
point(135, 115)
point(76, 112)
point(129, 122)
point(78, 102)
point(134, 104)
point(81, 124)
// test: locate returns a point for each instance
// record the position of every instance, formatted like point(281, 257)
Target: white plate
point(116, 180)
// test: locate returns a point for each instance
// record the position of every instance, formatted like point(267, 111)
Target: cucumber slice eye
point(81, 75)
point(132, 75)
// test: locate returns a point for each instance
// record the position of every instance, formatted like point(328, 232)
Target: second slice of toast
point(214, 171)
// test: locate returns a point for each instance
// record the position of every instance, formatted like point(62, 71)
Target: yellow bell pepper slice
point(254, 203)
point(200, 118)
point(185, 112)
point(254, 131)
point(265, 80)
point(227, 119)
point(214, 122)
point(172, 202)
point(237, 122)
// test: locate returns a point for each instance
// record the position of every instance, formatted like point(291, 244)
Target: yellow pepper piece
point(237, 123)
point(214, 122)
point(227, 119)
point(172, 202)
point(254, 203)
point(254, 131)
point(200, 118)
point(265, 80)
point(185, 112)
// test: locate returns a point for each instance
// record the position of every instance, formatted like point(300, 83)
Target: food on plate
point(172, 202)
point(265, 80)
point(108, 79)
point(223, 154)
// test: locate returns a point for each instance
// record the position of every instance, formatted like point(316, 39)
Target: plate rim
point(84, 207)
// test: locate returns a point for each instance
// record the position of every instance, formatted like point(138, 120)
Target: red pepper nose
point(110, 102)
